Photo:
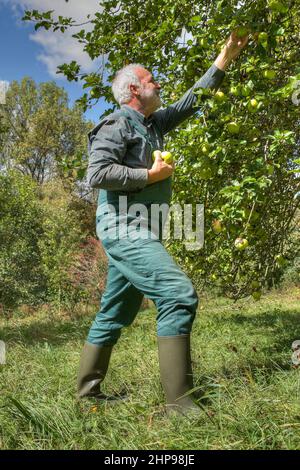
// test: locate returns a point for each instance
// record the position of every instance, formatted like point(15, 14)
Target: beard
point(152, 99)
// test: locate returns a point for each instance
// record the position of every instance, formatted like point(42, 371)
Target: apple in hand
point(167, 157)
point(156, 154)
point(241, 32)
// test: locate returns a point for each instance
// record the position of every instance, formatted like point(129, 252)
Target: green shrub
point(21, 219)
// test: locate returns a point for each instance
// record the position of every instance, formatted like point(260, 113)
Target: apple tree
point(239, 155)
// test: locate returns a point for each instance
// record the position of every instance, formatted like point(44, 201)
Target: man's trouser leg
point(120, 303)
point(150, 269)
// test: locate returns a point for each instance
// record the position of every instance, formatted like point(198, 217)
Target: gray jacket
point(121, 145)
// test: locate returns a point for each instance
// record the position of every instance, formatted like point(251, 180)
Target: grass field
point(242, 363)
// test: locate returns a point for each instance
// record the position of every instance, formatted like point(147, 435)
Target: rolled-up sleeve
point(106, 169)
point(182, 109)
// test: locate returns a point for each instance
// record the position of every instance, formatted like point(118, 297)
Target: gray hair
point(123, 78)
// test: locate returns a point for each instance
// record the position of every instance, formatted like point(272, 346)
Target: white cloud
point(58, 47)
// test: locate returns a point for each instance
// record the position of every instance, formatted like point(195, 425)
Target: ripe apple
point(217, 226)
point(262, 38)
point(167, 157)
point(233, 127)
point(220, 97)
point(241, 244)
point(252, 105)
point(256, 295)
point(270, 74)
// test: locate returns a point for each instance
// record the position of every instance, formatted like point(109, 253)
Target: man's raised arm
point(176, 113)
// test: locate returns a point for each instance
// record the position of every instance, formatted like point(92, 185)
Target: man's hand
point(160, 170)
point(233, 47)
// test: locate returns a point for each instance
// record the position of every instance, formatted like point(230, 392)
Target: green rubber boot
point(92, 371)
point(176, 375)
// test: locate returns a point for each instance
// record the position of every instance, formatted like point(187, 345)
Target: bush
point(21, 226)
point(47, 252)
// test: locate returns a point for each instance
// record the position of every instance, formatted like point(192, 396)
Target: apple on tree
point(220, 97)
point(233, 127)
point(270, 74)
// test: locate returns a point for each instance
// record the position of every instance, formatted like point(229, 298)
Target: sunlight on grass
point(247, 389)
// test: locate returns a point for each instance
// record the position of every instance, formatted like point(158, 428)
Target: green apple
point(233, 127)
point(234, 90)
point(246, 90)
point(205, 148)
point(220, 97)
point(167, 157)
point(241, 31)
point(217, 226)
point(156, 154)
point(253, 105)
point(241, 244)
point(262, 38)
point(94, 93)
point(256, 295)
point(270, 74)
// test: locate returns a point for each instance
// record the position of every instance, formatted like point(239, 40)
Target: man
point(121, 166)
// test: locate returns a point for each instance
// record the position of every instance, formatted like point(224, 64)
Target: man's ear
point(135, 89)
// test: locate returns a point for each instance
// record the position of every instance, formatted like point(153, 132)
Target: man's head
point(135, 86)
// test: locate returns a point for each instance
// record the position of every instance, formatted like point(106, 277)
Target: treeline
point(48, 249)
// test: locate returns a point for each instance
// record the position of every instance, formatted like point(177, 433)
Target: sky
point(25, 52)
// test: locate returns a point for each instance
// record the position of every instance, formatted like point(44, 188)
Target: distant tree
point(41, 135)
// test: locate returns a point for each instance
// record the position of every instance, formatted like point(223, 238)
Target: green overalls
point(138, 264)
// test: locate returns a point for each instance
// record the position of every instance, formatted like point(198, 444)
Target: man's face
point(149, 90)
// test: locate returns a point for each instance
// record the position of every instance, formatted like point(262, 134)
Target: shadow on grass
point(281, 326)
point(55, 332)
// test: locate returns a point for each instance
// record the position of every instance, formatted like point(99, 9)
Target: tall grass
point(249, 393)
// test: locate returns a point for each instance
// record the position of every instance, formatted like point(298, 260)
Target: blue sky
point(25, 52)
